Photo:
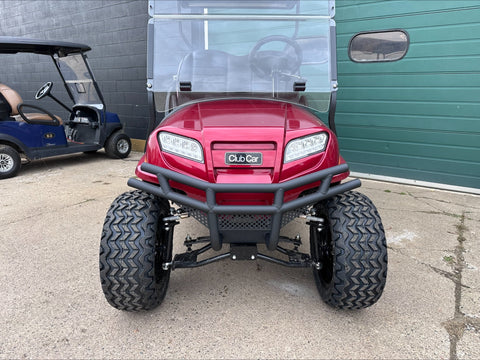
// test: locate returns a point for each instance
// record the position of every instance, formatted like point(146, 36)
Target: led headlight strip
point(305, 146)
point(180, 145)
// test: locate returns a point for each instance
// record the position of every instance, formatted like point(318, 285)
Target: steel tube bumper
point(212, 209)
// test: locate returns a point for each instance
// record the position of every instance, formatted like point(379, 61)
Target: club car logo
point(243, 158)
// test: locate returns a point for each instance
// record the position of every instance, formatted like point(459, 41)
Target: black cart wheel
point(351, 251)
point(118, 145)
point(133, 247)
point(10, 162)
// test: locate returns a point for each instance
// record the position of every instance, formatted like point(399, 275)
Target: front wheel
point(133, 247)
point(118, 145)
point(351, 251)
point(10, 162)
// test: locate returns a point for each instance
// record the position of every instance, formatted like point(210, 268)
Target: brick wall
point(116, 31)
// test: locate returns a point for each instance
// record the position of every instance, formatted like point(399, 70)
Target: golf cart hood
point(254, 128)
point(274, 50)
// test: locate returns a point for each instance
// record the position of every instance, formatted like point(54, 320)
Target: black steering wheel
point(268, 63)
point(44, 90)
point(36, 118)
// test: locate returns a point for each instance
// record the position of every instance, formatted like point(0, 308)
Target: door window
point(378, 46)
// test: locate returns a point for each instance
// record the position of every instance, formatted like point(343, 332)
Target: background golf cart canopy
point(13, 45)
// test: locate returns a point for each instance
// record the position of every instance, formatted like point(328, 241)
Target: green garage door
point(417, 117)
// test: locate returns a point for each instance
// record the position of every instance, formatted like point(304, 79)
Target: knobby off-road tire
point(133, 246)
point(352, 249)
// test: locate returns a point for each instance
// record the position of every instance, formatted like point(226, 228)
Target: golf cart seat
point(16, 105)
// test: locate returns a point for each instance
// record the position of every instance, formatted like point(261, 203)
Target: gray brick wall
point(116, 31)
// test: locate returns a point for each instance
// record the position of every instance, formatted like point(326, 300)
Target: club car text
point(243, 158)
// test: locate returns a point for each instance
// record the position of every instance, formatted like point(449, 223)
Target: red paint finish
point(242, 126)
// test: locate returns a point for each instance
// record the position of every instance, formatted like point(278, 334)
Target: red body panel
point(242, 125)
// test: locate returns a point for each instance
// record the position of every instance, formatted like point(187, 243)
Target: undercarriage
point(290, 257)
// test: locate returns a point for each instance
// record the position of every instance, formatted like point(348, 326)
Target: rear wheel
point(10, 162)
point(118, 145)
point(133, 247)
point(350, 247)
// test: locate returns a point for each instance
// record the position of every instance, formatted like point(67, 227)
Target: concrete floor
point(53, 306)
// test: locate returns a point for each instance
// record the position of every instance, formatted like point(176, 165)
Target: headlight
point(181, 146)
point(305, 146)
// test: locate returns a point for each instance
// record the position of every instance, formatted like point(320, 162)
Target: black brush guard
point(213, 210)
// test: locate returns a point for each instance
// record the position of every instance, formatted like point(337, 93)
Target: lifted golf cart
point(240, 89)
point(40, 134)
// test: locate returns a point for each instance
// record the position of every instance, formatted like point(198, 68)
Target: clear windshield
point(269, 49)
point(79, 80)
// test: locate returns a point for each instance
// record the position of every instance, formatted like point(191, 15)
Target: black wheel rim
point(160, 254)
point(163, 251)
point(324, 252)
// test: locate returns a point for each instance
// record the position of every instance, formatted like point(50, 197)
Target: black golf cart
point(32, 132)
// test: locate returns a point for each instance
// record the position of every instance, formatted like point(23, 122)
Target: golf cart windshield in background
point(79, 79)
point(264, 49)
point(71, 62)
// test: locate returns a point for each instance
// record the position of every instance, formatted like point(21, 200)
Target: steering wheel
point(36, 118)
point(44, 90)
point(268, 62)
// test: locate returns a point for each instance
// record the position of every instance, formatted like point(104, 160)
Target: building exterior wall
point(419, 117)
point(116, 31)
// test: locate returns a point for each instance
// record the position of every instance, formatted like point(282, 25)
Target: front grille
point(243, 221)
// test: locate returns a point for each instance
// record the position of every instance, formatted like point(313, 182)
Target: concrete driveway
point(53, 306)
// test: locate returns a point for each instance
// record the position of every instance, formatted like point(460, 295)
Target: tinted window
point(378, 46)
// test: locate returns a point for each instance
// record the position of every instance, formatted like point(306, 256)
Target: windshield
point(79, 80)
point(270, 49)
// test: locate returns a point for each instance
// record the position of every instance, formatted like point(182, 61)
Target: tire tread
point(360, 252)
point(127, 252)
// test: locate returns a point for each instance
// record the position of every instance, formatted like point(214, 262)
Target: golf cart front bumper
point(244, 223)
